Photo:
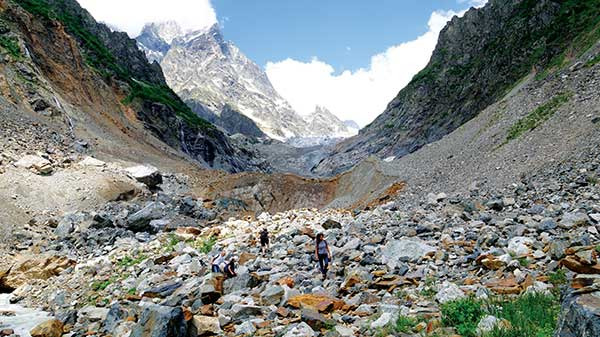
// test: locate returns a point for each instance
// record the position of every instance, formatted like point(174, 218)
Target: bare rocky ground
point(140, 267)
point(107, 251)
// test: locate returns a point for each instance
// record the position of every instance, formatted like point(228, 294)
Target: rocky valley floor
point(140, 265)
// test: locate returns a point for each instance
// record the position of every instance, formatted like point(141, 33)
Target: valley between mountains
point(469, 207)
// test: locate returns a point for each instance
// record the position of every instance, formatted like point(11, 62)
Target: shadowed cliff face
point(477, 59)
point(104, 74)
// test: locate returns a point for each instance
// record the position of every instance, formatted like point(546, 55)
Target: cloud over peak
point(131, 15)
point(362, 94)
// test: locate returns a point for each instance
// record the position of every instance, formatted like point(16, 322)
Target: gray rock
point(272, 295)
point(579, 316)
point(398, 251)
point(160, 321)
point(245, 329)
point(300, 330)
point(574, 219)
point(240, 312)
point(140, 220)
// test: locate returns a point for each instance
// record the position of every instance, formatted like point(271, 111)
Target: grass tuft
point(464, 315)
point(537, 116)
point(530, 315)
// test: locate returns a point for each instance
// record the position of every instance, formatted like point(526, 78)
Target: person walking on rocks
point(264, 240)
point(230, 268)
point(218, 262)
point(323, 254)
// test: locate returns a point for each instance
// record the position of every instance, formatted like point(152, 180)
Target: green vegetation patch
point(11, 45)
point(164, 95)
point(206, 244)
point(537, 117)
point(464, 315)
point(129, 261)
point(530, 315)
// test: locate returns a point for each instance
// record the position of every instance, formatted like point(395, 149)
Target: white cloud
point(131, 15)
point(474, 3)
point(362, 94)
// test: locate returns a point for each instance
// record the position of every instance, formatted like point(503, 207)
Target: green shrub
point(529, 315)
point(100, 285)
point(206, 244)
point(11, 45)
point(537, 117)
point(463, 314)
point(129, 261)
point(405, 324)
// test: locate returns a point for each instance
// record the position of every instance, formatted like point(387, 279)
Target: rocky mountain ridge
point(478, 58)
point(100, 86)
point(210, 73)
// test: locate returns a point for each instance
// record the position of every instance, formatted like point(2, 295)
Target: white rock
point(406, 249)
point(91, 161)
point(449, 292)
point(344, 331)
point(300, 330)
point(519, 246)
point(487, 324)
point(245, 329)
point(382, 321)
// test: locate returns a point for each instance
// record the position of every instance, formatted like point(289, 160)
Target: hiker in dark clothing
point(230, 268)
point(323, 254)
point(264, 240)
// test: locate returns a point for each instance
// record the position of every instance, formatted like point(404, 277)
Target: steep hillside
point(478, 58)
point(66, 64)
point(216, 79)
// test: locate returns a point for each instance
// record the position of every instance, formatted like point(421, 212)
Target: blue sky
point(349, 56)
point(343, 33)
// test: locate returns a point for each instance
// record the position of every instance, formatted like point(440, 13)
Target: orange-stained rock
point(51, 328)
point(320, 303)
point(39, 267)
point(188, 233)
point(288, 281)
point(245, 257)
point(575, 265)
point(283, 312)
point(505, 286)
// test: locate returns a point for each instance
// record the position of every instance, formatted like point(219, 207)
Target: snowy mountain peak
point(210, 73)
point(166, 31)
point(324, 122)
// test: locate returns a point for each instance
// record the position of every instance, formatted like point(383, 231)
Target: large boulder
point(212, 288)
point(300, 330)
point(580, 315)
point(449, 292)
point(140, 220)
point(160, 321)
point(205, 326)
point(146, 174)
point(35, 163)
point(405, 250)
point(315, 320)
point(39, 267)
point(51, 328)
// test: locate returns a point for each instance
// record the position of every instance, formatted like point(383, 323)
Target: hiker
point(230, 268)
point(323, 254)
point(264, 240)
point(218, 262)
